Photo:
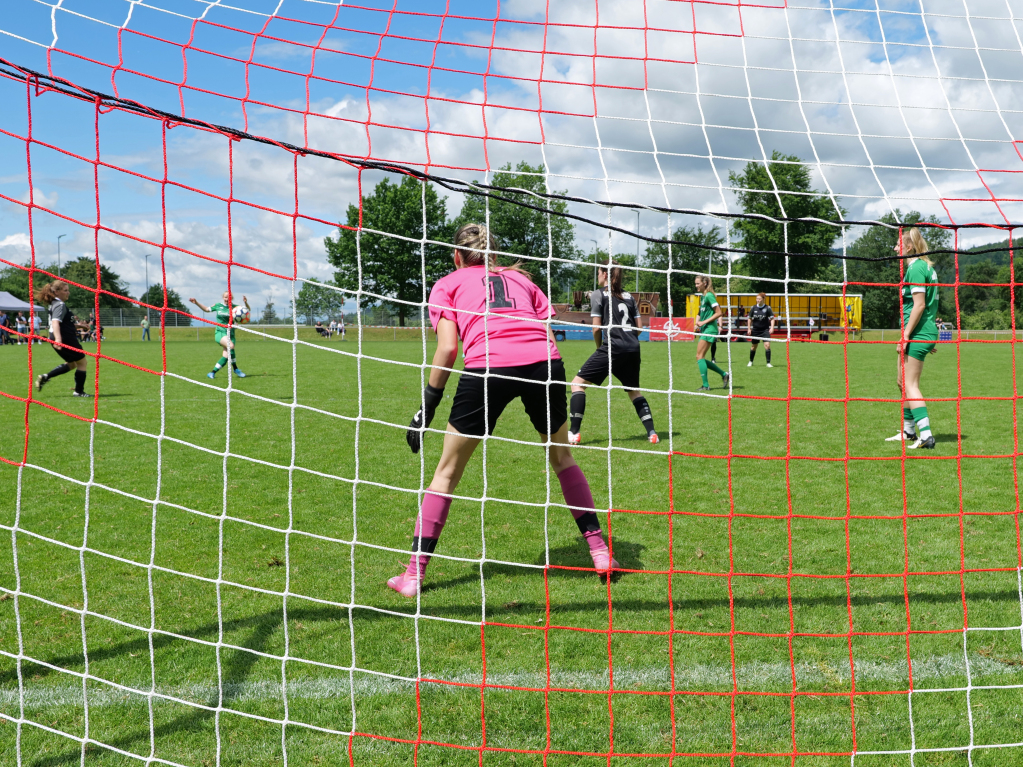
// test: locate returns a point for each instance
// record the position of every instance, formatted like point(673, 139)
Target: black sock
point(588, 522)
point(768, 353)
point(752, 352)
point(80, 381)
point(234, 362)
point(577, 408)
point(714, 351)
point(643, 411)
point(59, 371)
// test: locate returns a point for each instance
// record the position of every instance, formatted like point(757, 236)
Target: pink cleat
point(405, 584)
point(574, 438)
point(654, 439)
point(603, 562)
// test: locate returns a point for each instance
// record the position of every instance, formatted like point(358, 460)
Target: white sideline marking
point(754, 676)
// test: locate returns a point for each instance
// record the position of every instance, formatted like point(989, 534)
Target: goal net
point(198, 555)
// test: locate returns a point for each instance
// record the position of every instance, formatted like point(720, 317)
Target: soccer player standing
point(501, 318)
point(759, 327)
point(919, 336)
point(616, 327)
point(707, 330)
point(64, 336)
point(224, 332)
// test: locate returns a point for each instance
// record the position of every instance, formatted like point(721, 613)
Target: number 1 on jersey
point(498, 298)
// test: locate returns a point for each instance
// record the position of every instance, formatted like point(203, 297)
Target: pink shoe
point(405, 584)
point(574, 439)
point(603, 562)
point(654, 439)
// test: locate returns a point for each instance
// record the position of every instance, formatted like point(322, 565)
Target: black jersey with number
point(63, 315)
point(619, 317)
point(761, 317)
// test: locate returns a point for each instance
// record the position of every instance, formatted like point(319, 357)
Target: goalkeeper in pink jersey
point(501, 318)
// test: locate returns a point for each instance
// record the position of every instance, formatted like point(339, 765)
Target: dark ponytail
point(614, 278)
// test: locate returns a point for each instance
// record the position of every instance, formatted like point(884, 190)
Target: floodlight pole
point(595, 247)
point(637, 251)
point(58, 254)
point(146, 294)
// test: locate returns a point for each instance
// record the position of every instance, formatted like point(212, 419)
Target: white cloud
point(18, 240)
point(39, 197)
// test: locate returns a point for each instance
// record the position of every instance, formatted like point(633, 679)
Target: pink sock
point(577, 494)
point(432, 516)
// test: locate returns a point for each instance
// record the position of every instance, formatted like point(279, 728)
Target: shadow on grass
point(238, 662)
point(950, 437)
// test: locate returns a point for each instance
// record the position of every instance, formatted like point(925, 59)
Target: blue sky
point(890, 107)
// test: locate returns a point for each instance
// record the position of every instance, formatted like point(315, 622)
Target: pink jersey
point(513, 333)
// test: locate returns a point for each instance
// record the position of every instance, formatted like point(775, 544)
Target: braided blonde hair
point(477, 245)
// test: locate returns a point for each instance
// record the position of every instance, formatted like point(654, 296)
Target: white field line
point(754, 676)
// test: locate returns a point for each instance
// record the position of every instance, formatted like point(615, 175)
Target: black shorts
point(469, 416)
point(72, 352)
point(761, 335)
point(624, 366)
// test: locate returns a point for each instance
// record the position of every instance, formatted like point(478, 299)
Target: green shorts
point(219, 333)
point(919, 350)
point(708, 333)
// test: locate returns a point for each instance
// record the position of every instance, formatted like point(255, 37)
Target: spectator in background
point(145, 328)
point(35, 328)
point(21, 325)
point(341, 327)
point(321, 330)
point(5, 337)
point(332, 328)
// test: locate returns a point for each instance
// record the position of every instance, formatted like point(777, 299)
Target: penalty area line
point(766, 677)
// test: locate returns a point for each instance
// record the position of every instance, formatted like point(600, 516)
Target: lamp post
point(146, 294)
point(58, 253)
point(595, 246)
point(637, 251)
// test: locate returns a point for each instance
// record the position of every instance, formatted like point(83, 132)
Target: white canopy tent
point(9, 303)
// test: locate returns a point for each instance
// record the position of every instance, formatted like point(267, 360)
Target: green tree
point(80, 270)
point(755, 192)
point(309, 301)
point(882, 306)
point(154, 297)
point(269, 316)
point(394, 265)
point(695, 255)
point(533, 234)
point(83, 271)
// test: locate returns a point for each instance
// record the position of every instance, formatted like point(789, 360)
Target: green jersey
point(708, 305)
point(222, 314)
point(922, 273)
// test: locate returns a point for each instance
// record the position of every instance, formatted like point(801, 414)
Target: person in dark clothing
point(759, 326)
point(63, 336)
point(616, 326)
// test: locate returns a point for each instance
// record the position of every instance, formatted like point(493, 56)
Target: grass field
point(767, 617)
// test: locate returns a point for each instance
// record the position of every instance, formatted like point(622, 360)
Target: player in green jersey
point(224, 333)
point(919, 335)
point(706, 331)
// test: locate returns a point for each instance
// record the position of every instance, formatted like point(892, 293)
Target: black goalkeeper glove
point(414, 435)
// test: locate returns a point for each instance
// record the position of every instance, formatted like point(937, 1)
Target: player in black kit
point(64, 336)
point(759, 326)
point(616, 327)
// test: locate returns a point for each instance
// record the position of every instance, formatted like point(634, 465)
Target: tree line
point(398, 268)
point(387, 250)
point(82, 271)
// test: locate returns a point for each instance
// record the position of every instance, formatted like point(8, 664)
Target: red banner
point(673, 329)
